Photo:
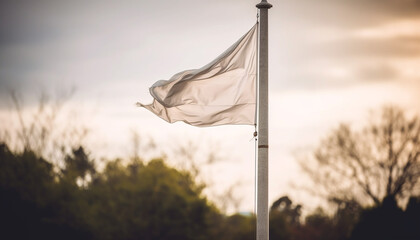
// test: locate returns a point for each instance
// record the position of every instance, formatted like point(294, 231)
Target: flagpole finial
point(264, 4)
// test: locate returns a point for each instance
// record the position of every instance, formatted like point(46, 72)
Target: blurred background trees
point(52, 188)
point(368, 165)
point(153, 202)
point(372, 173)
point(48, 129)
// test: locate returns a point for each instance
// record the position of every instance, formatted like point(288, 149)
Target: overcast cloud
point(46, 43)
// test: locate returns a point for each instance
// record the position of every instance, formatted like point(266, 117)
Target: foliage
point(31, 199)
point(236, 227)
point(286, 223)
point(388, 221)
point(153, 201)
point(150, 200)
point(284, 218)
point(318, 226)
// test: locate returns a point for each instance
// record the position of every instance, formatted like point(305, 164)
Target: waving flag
point(222, 92)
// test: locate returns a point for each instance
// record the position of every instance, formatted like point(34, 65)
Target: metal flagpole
point(262, 182)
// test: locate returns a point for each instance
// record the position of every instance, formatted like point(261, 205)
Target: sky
point(329, 62)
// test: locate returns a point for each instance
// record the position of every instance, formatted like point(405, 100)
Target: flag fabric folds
point(222, 92)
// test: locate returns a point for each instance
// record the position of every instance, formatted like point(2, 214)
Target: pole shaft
point(262, 181)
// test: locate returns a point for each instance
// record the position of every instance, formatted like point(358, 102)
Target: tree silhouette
point(380, 160)
point(284, 219)
point(388, 222)
point(33, 204)
point(78, 166)
point(49, 130)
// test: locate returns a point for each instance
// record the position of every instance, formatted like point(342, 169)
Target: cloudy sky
point(330, 61)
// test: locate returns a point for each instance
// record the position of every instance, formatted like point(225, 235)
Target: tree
point(284, 219)
point(31, 202)
point(318, 226)
point(236, 227)
point(150, 201)
point(78, 167)
point(380, 160)
point(388, 221)
point(155, 202)
point(50, 130)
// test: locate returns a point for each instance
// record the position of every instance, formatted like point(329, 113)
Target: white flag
point(222, 92)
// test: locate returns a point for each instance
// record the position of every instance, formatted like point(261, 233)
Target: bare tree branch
point(382, 159)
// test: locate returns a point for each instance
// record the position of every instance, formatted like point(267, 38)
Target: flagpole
point(262, 181)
